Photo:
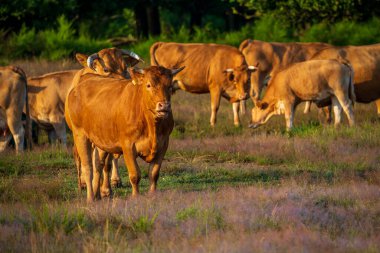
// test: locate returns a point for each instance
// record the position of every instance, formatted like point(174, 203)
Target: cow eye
point(148, 85)
point(106, 70)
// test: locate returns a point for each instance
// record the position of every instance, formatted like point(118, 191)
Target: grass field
point(227, 189)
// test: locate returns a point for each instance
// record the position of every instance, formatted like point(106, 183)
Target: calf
point(317, 81)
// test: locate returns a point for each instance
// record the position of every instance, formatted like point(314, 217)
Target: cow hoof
point(107, 193)
point(116, 183)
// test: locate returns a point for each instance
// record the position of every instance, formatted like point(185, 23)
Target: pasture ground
point(226, 189)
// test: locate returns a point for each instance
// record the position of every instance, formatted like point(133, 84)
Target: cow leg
point(83, 146)
point(81, 181)
point(215, 101)
point(130, 154)
point(154, 168)
point(289, 116)
point(115, 177)
point(60, 130)
point(235, 108)
point(15, 126)
point(378, 107)
point(97, 169)
point(105, 164)
point(243, 110)
point(337, 111)
point(307, 108)
point(346, 104)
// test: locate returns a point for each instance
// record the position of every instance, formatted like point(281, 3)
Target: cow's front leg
point(289, 116)
point(154, 168)
point(130, 154)
point(235, 108)
point(106, 160)
point(215, 101)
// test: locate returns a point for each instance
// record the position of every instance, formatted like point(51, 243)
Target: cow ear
point(137, 75)
point(82, 59)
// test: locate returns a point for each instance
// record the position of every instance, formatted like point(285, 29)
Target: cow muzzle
point(163, 109)
point(253, 125)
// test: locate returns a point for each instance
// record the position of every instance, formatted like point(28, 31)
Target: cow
point(47, 94)
point(13, 98)
point(314, 80)
point(365, 61)
point(132, 117)
point(110, 62)
point(220, 70)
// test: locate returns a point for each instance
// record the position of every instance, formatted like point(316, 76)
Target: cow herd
point(114, 107)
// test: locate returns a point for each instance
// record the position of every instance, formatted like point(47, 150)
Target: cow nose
point(163, 106)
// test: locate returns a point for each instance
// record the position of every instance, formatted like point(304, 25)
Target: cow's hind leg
point(16, 128)
point(115, 177)
point(106, 190)
point(60, 130)
point(83, 146)
point(337, 108)
point(346, 104)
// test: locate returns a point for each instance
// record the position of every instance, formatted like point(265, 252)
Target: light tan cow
point(271, 57)
point(132, 117)
point(365, 60)
point(315, 80)
point(47, 94)
point(13, 98)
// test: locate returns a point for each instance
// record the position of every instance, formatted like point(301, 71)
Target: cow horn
point(229, 70)
point(250, 67)
point(132, 54)
point(176, 71)
point(90, 61)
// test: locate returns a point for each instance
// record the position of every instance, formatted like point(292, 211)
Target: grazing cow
point(132, 117)
point(315, 80)
point(365, 61)
point(210, 68)
point(47, 96)
point(270, 57)
point(13, 98)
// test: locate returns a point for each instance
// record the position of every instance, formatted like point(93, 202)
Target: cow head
point(263, 111)
point(237, 83)
point(156, 82)
point(109, 61)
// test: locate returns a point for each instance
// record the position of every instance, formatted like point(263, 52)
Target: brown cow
point(365, 60)
point(13, 98)
point(220, 70)
point(315, 80)
point(120, 117)
point(110, 62)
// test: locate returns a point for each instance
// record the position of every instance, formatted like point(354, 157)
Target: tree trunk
point(153, 16)
point(141, 20)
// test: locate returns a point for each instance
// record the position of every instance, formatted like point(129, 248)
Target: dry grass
point(226, 189)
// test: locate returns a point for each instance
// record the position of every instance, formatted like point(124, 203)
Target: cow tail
point(351, 85)
point(153, 48)
point(28, 128)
